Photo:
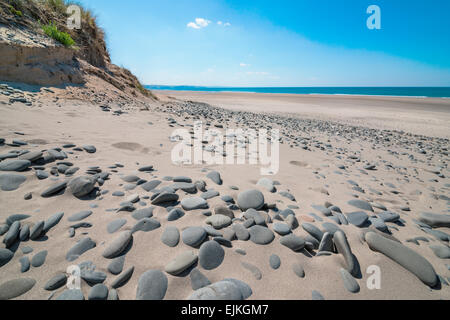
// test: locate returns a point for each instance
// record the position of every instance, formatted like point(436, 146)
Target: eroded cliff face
point(31, 58)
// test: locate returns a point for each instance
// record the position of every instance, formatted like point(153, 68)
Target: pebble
point(81, 247)
point(24, 264)
point(275, 262)
point(253, 269)
point(267, 184)
point(313, 231)
point(14, 165)
point(181, 263)
point(349, 282)
point(11, 182)
point(293, 242)
point(123, 279)
point(146, 225)
point(215, 177)
point(358, 219)
point(223, 290)
point(116, 265)
point(98, 292)
point(16, 288)
point(219, 221)
point(118, 245)
point(56, 282)
point(251, 199)
point(361, 204)
point(194, 203)
point(52, 221)
point(39, 259)
point(404, 256)
point(198, 280)
point(343, 247)
point(71, 295)
point(115, 225)
point(81, 186)
point(175, 214)
point(12, 235)
point(193, 236)
point(171, 237)
point(261, 235)
point(211, 255)
point(80, 216)
point(142, 213)
point(441, 251)
point(435, 220)
point(152, 285)
point(37, 230)
point(298, 270)
point(54, 189)
point(281, 228)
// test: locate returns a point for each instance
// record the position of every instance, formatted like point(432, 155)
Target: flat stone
point(118, 245)
point(115, 225)
point(313, 231)
point(151, 185)
point(293, 242)
point(298, 270)
point(441, 251)
point(267, 184)
point(193, 236)
point(181, 263)
point(39, 259)
point(222, 210)
point(116, 265)
point(54, 189)
point(98, 292)
point(349, 282)
point(24, 264)
point(251, 199)
point(361, 204)
point(71, 295)
point(219, 221)
point(261, 235)
point(146, 225)
point(194, 203)
point(56, 282)
point(211, 255)
point(223, 290)
point(404, 256)
point(253, 269)
point(275, 262)
point(165, 198)
point(52, 221)
point(241, 232)
point(12, 235)
point(142, 213)
point(281, 228)
point(152, 285)
point(326, 244)
point(81, 247)
point(175, 214)
point(123, 279)
point(198, 279)
point(358, 219)
point(16, 288)
point(171, 237)
point(387, 216)
point(80, 216)
point(37, 230)
point(89, 149)
point(435, 220)
point(11, 182)
point(343, 247)
point(14, 165)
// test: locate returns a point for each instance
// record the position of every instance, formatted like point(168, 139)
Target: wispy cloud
point(199, 23)
point(225, 24)
point(243, 65)
point(257, 73)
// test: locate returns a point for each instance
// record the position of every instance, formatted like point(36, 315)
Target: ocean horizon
point(426, 92)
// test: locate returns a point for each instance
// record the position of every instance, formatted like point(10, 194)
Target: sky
point(278, 43)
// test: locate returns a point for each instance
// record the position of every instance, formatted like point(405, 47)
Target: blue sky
point(278, 43)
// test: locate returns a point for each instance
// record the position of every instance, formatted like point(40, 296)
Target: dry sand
point(130, 140)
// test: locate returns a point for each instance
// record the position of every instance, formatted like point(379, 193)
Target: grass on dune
point(64, 38)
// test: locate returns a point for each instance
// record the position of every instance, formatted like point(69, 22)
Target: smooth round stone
point(53, 221)
point(194, 203)
point(251, 199)
point(298, 270)
point(12, 235)
point(313, 231)
point(16, 288)
point(98, 292)
point(41, 175)
point(16, 217)
point(275, 262)
point(116, 265)
point(222, 210)
point(37, 230)
point(358, 219)
point(24, 264)
point(435, 220)
point(181, 263)
point(123, 279)
point(186, 187)
point(211, 255)
point(210, 194)
point(331, 227)
point(115, 225)
point(142, 213)
point(54, 189)
point(198, 279)
point(11, 182)
point(4, 229)
point(193, 236)
point(81, 247)
point(14, 165)
point(219, 221)
point(175, 214)
point(165, 198)
point(80, 216)
point(281, 228)
point(388, 216)
point(241, 232)
point(224, 242)
point(441, 251)
point(146, 225)
point(170, 237)
point(71, 295)
point(361, 204)
point(118, 245)
point(82, 186)
point(118, 194)
point(151, 185)
point(152, 285)
point(39, 259)
point(245, 289)
point(182, 179)
point(404, 256)
point(223, 290)
point(261, 235)
point(293, 242)
point(89, 149)
point(316, 296)
point(56, 282)
point(349, 282)
point(215, 177)
point(133, 198)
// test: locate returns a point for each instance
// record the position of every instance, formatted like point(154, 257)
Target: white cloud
point(227, 24)
point(199, 23)
point(219, 23)
point(243, 65)
point(257, 73)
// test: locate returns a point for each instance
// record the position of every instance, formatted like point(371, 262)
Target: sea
point(431, 92)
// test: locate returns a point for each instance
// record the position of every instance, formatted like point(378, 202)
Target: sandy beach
point(322, 164)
